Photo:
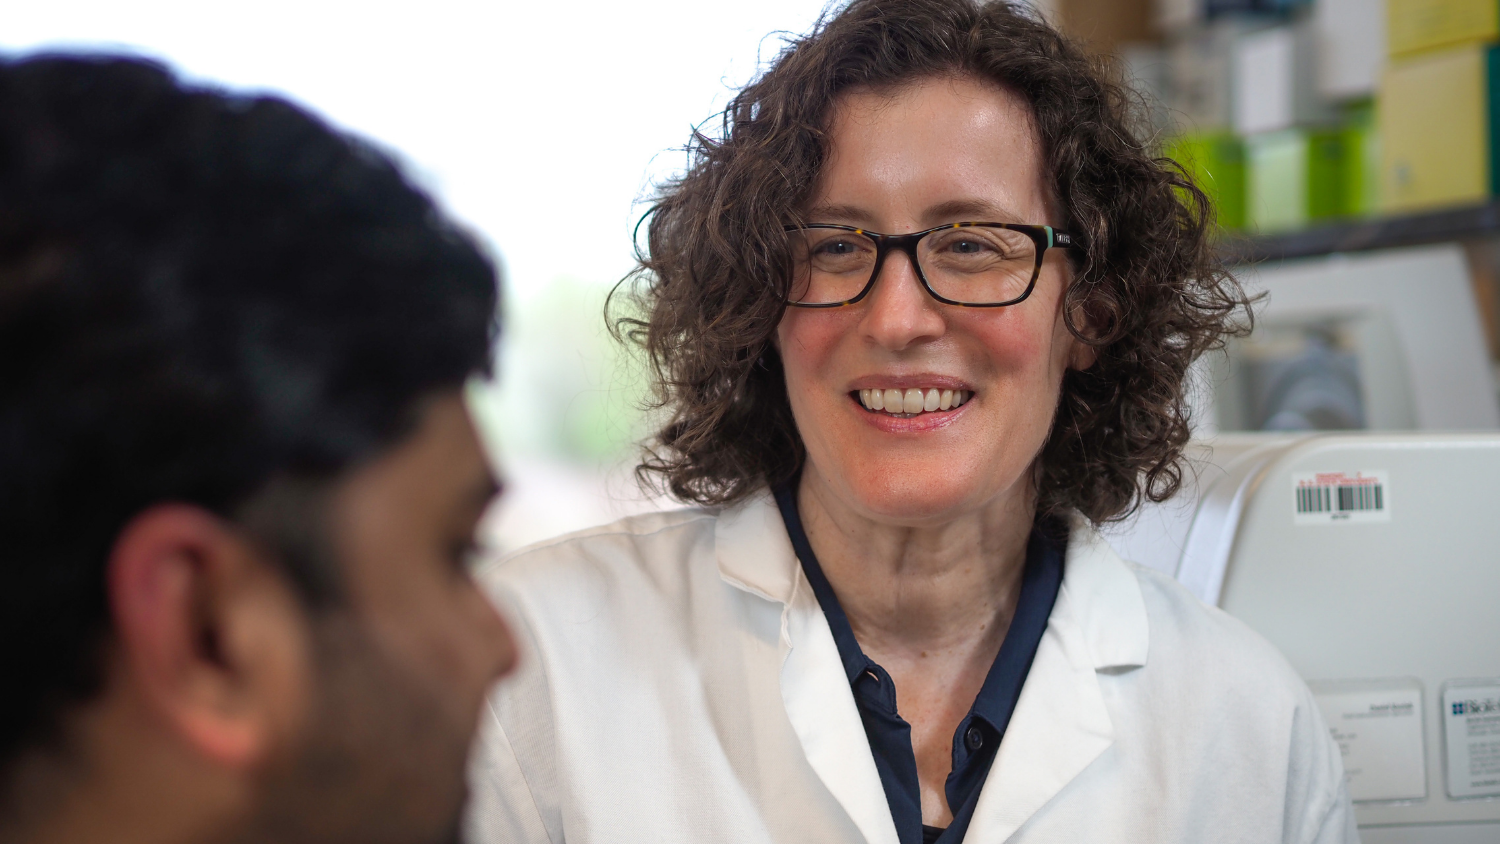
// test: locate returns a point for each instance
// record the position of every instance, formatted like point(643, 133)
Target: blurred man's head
point(237, 483)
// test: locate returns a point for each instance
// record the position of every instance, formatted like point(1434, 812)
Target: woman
point(920, 318)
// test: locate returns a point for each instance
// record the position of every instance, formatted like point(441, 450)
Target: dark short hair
point(713, 276)
point(199, 293)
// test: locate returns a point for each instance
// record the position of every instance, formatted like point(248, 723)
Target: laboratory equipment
point(1372, 561)
point(1383, 340)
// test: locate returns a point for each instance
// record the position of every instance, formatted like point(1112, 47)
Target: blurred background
point(539, 127)
point(1350, 146)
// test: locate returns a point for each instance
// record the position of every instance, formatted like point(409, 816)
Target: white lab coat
point(678, 683)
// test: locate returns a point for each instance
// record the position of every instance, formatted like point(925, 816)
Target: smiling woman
point(920, 318)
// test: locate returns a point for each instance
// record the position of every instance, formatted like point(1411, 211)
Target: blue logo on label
point(1458, 708)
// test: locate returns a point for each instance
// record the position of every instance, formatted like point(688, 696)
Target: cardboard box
point(1216, 163)
point(1200, 77)
point(1436, 124)
point(1351, 47)
point(1104, 25)
point(1276, 80)
point(1296, 177)
point(1413, 26)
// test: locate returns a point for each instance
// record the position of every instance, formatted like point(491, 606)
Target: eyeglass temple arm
point(1060, 239)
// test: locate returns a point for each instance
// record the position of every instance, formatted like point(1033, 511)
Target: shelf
point(1472, 223)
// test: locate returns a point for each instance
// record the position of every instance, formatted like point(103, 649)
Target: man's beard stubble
point(376, 764)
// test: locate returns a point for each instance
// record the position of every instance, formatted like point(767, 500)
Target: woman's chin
point(917, 500)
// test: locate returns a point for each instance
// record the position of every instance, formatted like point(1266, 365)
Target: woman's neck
point(912, 591)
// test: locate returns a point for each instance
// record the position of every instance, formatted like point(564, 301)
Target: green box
point(1361, 160)
point(1296, 177)
point(1216, 163)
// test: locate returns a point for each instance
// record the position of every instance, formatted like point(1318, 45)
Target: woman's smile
point(911, 401)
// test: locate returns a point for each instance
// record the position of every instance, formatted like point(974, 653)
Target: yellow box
point(1416, 25)
point(1436, 128)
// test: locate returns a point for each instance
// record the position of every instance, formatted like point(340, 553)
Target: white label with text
point(1471, 728)
point(1378, 728)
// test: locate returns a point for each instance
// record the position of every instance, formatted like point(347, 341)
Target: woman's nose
point(899, 312)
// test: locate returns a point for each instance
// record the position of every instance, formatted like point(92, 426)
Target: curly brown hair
point(711, 283)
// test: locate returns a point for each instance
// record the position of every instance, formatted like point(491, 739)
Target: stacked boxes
point(1438, 105)
point(1273, 120)
point(1341, 109)
point(1294, 153)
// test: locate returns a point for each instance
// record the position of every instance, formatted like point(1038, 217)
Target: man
point(238, 487)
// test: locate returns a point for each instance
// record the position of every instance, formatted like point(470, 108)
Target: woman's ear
point(1082, 356)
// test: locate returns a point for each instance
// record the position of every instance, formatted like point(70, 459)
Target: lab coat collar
point(755, 554)
point(1107, 601)
point(1060, 724)
point(754, 551)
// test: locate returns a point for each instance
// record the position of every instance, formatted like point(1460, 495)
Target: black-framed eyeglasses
point(971, 265)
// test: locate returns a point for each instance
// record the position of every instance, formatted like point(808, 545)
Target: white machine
point(1156, 533)
point(1373, 562)
point(1386, 341)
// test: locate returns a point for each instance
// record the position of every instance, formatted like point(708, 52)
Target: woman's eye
point(836, 247)
point(970, 247)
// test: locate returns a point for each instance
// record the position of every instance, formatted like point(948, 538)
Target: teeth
point(912, 401)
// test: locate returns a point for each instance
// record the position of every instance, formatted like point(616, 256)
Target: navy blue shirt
point(978, 735)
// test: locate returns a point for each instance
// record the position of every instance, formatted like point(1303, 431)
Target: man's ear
point(212, 636)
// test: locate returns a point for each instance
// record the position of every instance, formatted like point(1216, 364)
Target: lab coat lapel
point(1061, 724)
point(755, 555)
point(821, 707)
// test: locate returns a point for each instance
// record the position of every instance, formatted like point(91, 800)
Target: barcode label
point(1327, 499)
point(1323, 498)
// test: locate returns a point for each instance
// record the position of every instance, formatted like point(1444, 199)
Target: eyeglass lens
point(973, 265)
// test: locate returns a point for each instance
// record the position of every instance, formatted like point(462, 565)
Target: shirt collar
point(1039, 587)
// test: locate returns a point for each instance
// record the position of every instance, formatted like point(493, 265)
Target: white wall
point(539, 125)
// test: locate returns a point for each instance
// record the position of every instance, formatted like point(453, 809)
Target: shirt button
point(974, 739)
